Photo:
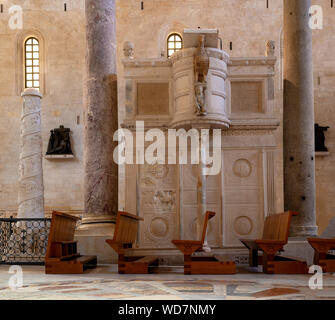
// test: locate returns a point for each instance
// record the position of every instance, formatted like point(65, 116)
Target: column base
point(91, 236)
point(299, 247)
point(303, 231)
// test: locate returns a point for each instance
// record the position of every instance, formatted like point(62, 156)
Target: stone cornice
point(212, 52)
point(190, 52)
point(253, 61)
point(144, 63)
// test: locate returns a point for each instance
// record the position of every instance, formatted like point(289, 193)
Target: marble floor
point(167, 283)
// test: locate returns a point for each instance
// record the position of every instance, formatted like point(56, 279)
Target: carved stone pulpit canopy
point(203, 65)
point(59, 142)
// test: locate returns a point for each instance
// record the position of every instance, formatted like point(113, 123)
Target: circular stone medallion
point(243, 225)
point(242, 168)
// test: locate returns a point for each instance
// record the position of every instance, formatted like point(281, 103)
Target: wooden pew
point(125, 235)
point(202, 265)
point(62, 256)
point(275, 237)
point(322, 257)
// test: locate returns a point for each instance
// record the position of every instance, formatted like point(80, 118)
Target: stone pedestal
point(31, 189)
point(299, 158)
point(299, 248)
point(100, 123)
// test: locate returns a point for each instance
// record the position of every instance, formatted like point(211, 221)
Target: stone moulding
point(252, 61)
point(322, 154)
point(143, 63)
point(59, 156)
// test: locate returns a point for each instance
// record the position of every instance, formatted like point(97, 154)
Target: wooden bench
point(62, 256)
point(322, 257)
point(202, 265)
point(125, 235)
point(275, 236)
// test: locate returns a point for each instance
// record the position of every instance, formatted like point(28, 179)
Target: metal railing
point(23, 241)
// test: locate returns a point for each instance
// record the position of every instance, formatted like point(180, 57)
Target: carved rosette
point(31, 189)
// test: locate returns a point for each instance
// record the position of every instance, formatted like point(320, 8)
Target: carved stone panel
point(158, 205)
point(242, 221)
point(189, 205)
point(189, 224)
point(246, 96)
point(243, 196)
point(152, 98)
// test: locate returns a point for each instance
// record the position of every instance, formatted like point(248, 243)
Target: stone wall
point(62, 37)
point(245, 23)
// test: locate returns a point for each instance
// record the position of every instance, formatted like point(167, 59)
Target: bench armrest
point(270, 247)
point(250, 243)
point(187, 247)
point(322, 245)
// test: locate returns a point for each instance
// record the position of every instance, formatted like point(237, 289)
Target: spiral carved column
point(31, 188)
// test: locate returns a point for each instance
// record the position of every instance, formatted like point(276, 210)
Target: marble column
point(31, 189)
point(299, 158)
point(100, 120)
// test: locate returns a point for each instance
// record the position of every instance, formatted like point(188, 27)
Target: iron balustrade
point(23, 241)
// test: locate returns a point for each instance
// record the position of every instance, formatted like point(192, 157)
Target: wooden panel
point(126, 228)
point(276, 226)
point(209, 215)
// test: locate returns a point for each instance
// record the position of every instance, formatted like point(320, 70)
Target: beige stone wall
point(247, 23)
point(62, 36)
point(324, 97)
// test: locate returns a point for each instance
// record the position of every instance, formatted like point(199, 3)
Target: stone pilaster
point(31, 189)
point(299, 158)
point(100, 120)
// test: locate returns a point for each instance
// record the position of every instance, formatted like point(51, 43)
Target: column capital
point(31, 92)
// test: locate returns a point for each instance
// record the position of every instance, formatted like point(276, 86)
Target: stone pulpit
point(200, 87)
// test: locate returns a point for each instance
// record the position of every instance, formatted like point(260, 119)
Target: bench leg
point(319, 256)
point(187, 264)
point(322, 259)
point(253, 257)
point(267, 259)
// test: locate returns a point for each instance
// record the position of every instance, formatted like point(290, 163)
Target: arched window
point(174, 44)
point(32, 63)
